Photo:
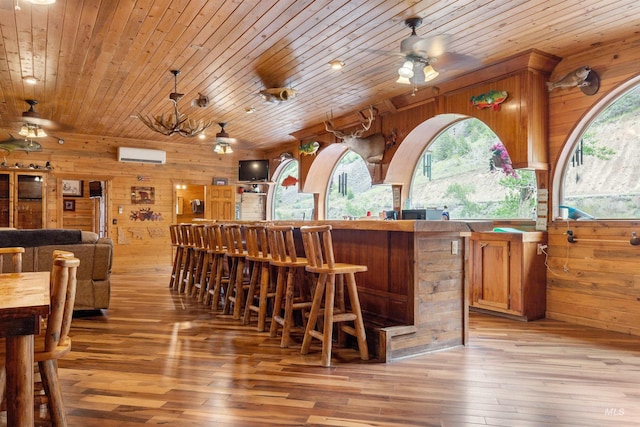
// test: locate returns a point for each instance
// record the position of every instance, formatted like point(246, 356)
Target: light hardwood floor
point(160, 358)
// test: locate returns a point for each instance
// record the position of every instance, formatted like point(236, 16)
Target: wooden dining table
point(24, 299)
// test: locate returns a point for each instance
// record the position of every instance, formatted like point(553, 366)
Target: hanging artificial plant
point(500, 159)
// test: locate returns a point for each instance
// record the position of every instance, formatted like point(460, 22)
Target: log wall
point(592, 283)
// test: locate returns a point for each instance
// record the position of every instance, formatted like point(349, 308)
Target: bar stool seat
point(287, 264)
point(318, 246)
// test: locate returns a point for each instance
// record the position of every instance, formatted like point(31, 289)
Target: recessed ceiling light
point(30, 80)
point(336, 64)
point(250, 110)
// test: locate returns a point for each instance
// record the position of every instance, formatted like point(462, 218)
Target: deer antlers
point(329, 127)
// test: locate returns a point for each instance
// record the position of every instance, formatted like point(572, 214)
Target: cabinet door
point(29, 201)
point(491, 275)
point(5, 200)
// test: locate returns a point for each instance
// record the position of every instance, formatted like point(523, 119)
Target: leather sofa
point(95, 255)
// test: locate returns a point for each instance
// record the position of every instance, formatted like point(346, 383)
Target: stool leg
point(313, 314)
point(218, 285)
point(288, 309)
point(251, 293)
point(264, 293)
point(277, 302)
point(327, 340)
point(232, 280)
point(238, 304)
point(359, 323)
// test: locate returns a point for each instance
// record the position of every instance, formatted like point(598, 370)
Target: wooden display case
point(508, 275)
point(22, 199)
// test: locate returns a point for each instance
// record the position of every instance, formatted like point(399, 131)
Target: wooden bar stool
point(16, 259)
point(285, 260)
point(176, 250)
point(218, 284)
point(188, 266)
point(237, 254)
point(318, 247)
point(181, 255)
point(201, 248)
point(259, 257)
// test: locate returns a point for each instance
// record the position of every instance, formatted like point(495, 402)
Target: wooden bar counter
point(413, 295)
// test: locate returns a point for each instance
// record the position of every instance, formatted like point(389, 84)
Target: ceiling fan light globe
point(217, 149)
point(403, 80)
point(406, 70)
point(40, 133)
point(228, 150)
point(430, 73)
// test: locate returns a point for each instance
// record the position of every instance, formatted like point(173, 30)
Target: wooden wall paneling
point(595, 283)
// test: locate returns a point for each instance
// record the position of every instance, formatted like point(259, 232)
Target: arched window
point(601, 177)
point(350, 193)
point(467, 169)
point(288, 203)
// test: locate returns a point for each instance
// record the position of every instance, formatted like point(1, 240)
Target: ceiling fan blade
point(432, 47)
point(46, 124)
point(451, 61)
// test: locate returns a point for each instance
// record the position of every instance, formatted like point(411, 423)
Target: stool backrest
point(234, 239)
point(63, 295)
point(16, 259)
point(216, 238)
point(281, 243)
point(257, 241)
point(198, 236)
point(185, 234)
point(174, 231)
point(318, 245)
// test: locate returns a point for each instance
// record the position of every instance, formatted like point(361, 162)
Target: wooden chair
point(16, 259)
point(259, 257)
point(218, 284)
point(16, 267)
point(318, 247)
point(237, 254)
point(287, 264)
point(55, 343)
point(191, 232)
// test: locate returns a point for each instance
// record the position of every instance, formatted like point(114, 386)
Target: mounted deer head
point(371, 148)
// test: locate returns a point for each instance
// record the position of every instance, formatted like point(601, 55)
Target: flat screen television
point(253, 170)
point(414, 214)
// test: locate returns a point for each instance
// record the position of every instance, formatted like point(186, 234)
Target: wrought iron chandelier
point(176, 122)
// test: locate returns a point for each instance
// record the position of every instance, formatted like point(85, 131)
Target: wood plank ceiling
point(101, 62)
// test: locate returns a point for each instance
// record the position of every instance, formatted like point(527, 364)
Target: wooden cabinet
point(22, 199)
point(507, 274)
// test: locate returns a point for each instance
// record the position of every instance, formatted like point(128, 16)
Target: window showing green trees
point(468, 170)
point(602, 177)
point(350, 193)
point(288, 203)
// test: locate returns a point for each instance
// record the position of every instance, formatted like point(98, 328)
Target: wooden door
point(220, 202)
point(491, 274)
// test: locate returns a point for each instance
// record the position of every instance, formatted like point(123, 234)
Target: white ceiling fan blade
point(432, 47)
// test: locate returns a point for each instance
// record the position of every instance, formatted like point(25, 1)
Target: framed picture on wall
point(143, 195)
point(69, 205)
point(220, 181)
point(72, 187)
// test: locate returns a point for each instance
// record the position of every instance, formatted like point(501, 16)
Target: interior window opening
point(350, 193)
point(467, 171)
point(288, 202)
point(601, 177)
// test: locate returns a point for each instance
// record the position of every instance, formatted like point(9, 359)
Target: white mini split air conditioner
point(141, 155)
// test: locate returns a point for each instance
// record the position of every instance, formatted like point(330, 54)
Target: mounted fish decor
point(584, 77)
point(289, 181)
point(12, 144)
point(309, 148)
point(491, 99)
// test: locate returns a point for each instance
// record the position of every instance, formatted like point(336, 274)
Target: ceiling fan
point(33, 125)
point(426, 57)
point(223, 141)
